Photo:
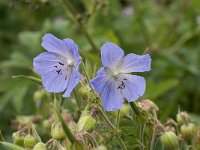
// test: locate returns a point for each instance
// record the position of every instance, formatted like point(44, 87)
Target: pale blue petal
point(100, 81)
point(136, 63)
point(53, 44)
point(73, 50)
point(111, 97)
point(73, 80)
point(106, 86)
point(54, 82)
point(46, 62)
point(134, 87)
point(111, 54)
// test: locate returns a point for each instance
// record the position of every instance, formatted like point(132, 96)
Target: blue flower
point(114, 81)
point(59, 66)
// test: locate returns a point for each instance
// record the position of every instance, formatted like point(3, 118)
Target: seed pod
point(197, 143)
point(30, 141)
point(182, 118)
point(124, 110)
point(169, 140)
point(84, 92)
point(18, 138)
point(57, 131)
point(86, 123)
point(100, 147)
point(147, 105)
point(188, 131)
point(40, 146)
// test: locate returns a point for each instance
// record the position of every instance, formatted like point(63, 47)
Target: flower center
point(119, 79)
point(70, 62)
point(63, 66)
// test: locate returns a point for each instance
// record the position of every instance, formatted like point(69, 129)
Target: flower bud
point(40, 146)
point(18, 138)
point(38, 95)
point(46, 125)
point(30, 141)
point(84, 91)
point(147, 105)
point(182, 118)
point(57, 131)
point(188, 131)
point(124, 110)
point(86, 123)
point(197, 143)
point(169, 140)
point(100, 147)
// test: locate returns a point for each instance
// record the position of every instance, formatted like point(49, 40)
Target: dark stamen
point(66, 77)
point(61, 63)
point(58, 71)
point(122, 85)
point(56, 66)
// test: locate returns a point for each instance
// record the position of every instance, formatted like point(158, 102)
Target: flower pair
point(59, 70)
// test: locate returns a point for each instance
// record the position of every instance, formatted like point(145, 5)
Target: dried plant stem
point(156, 127)
point(77, 18)
point(153, 138)
point(94, 142)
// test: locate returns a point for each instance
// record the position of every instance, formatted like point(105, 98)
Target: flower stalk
point(135, 108)
point(66, 129)
point(104, 115)
point(123, 146)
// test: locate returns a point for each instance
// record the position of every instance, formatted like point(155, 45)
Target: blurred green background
point(167, 29)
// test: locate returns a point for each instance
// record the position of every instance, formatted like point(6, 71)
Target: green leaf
point(156, 90)
point(10, 146)
point(31, 78)
point(195, 117)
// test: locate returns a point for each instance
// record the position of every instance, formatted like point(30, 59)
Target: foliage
point(168, 30)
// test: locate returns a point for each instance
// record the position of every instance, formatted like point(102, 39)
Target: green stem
point(66, 129)
point(153, 138)
point(142, 136)
point(10, 146)
point(87, 76)
point(35, 132)
point(104, 115)
point(1, 136)
point(31, 78)
point(93, 140)
point(77, 19)
point(156, 127)
point(123, 146)
point(135, 108)
point(118, 119)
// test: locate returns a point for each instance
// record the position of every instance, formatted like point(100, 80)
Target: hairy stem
point(123, 146)
point(134, 107)
point(94, 142)
point(142, 136)
point(104, 115)
point(87, 76)
point(66, 129)
point(153, 138)
point(118, 119)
